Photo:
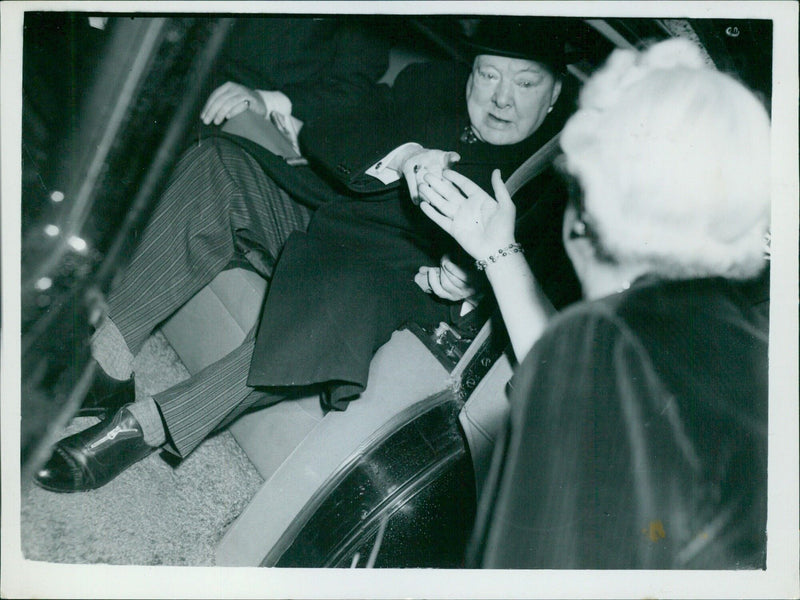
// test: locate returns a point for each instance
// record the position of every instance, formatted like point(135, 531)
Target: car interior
point(396, 480)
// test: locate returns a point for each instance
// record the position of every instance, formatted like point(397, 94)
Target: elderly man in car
point(349, 257)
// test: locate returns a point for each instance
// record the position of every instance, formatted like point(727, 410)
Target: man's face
point(508, 98)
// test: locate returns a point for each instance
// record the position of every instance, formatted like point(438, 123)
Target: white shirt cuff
point(275, 101)
point(383, 170)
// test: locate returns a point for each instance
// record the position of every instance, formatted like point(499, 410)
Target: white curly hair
point(673, 160)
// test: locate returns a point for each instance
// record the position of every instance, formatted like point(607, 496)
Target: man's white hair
point(673, 160)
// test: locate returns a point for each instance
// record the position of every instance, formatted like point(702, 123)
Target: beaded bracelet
point(492, 258)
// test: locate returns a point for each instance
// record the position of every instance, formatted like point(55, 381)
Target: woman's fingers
point(437, 217)
point(443, 195)
point(441, 203)
point(467, 186)
point(500, 189)
point(419, 165)
point(444, 188)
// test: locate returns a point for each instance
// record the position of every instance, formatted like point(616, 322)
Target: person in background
point(638, 426)
point(293, 65)
point(345, 279)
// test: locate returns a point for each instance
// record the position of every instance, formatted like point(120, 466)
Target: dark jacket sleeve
point(347, 142)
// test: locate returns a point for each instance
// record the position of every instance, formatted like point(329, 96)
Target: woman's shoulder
point(699, 307)
point(586, 314)
point(580, 334)
point(661, 320)
point(649, 303)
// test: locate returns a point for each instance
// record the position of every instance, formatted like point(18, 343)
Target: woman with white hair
point(638, 427)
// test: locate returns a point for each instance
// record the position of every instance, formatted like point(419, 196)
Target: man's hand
point(230, 99)
point(447, 281)
point(420, 162)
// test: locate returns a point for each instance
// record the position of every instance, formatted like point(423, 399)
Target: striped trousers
point(218, 204)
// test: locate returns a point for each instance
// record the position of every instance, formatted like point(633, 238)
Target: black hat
point(534, 38)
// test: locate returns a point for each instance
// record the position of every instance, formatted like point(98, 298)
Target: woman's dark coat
point(638, 435)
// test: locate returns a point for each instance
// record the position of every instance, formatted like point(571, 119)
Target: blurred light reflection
point(77, 243)
point(44, 283)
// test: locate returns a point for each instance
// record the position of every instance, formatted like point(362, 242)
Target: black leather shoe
point(106, 396)
point(91, 458)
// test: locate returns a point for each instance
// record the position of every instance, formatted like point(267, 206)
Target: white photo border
point(24, 578)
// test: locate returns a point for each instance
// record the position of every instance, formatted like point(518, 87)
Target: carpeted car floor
point(154, 513)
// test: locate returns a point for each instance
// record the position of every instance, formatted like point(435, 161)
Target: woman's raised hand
point(479, 223)
point(230, 99)
point(422, 162)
